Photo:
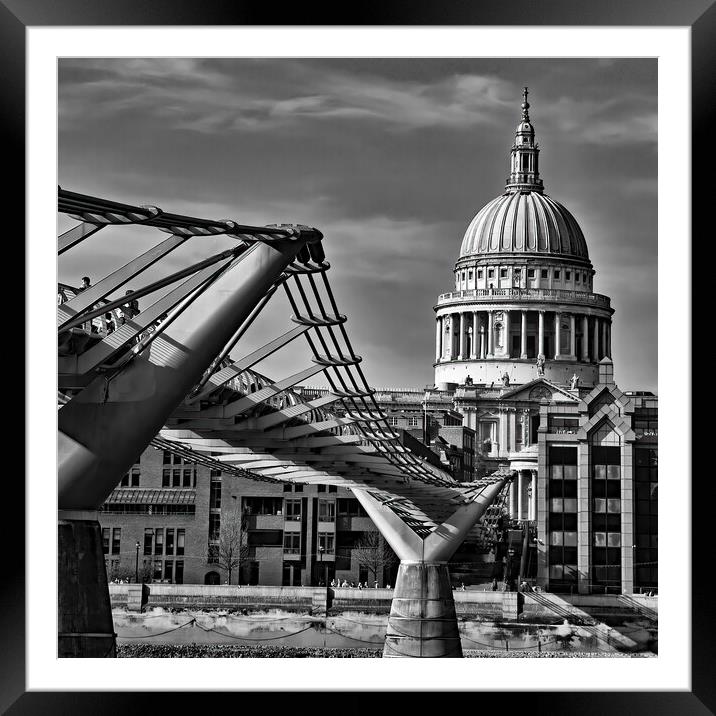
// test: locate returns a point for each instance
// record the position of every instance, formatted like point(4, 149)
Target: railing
point(539, 294)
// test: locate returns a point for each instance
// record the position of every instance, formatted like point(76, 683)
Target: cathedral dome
point(524, 222)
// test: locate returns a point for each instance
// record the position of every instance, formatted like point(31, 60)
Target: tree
point(374, 553)
point(233, 546)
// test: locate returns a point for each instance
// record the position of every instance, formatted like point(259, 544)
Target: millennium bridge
point(165, 376)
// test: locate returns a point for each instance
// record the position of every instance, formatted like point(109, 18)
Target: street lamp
point(321, 549)
point(136, 566)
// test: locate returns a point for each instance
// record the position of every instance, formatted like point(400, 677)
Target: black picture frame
point(698, 15)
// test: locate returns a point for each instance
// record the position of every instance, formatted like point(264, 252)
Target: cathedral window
point(491, 273)
point(556, 274)
point(503, 273)
point(544, 273)
point(479, 273)
point(530, 273)
point(567, 275)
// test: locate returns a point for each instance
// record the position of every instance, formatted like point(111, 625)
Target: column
point(483, 339)
point(438, 338)
point(513, 499)
point(533, 499)
point(475, 337)
point(540, 341)
point(508, 338)
point(557, 341)
point(595, 341)
point(523, 336)
point(453, 349)
point(572, 336)
point(520, 493)
point(604, 337)
point(490, 334)
point(461, 343)
point(503, 433)
point(585, 338)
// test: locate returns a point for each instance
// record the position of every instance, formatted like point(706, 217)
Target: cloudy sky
point(390, 158)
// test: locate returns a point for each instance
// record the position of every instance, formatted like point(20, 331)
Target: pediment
point(539, 389)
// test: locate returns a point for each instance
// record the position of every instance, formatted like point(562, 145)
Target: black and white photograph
point(357, 357)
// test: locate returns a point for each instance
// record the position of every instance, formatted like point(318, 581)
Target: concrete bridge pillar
point(85, 626)
point(422, 621)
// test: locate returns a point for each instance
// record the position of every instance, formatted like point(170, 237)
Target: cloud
point(619, 121)
point(217, 97)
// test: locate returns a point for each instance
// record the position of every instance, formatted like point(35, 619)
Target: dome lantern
point(524, 173)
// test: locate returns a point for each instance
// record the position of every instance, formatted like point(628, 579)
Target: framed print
point(402, 399)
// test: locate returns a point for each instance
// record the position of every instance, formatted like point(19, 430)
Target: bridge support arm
point(422, 621)
point(116, 415)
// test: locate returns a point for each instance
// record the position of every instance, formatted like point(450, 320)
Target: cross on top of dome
point(525, 105)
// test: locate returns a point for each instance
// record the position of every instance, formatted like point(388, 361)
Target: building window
point(567, 275)
point(490, 273)
point(326, 540)
point(413, 422)
point(543, 273)
point(393, 420)
point(180, 542)
point(646, 422)
point(157, 570)
point(116, 540)
point(215, 474)
point(562, 519)
point(148, 540)
point(292, 543)
point(332, 488)
point(556, 275)
point(646, 519)
point(214, 526)
point(181, 474)
point(131, 479)
point(212, 554)
point(159, 541)
point(561, 426)
point(215, 495)
point(530, 273)
point(479, 273)
point(168, 570)
point(350, 507)
point(606, 519)
point(326, 511)
point(469, 275)
point(170, 541)
point(321, 488)
point(503, 273)
point(298, 488)
point(287, 487)
point(105, 540)
point(179, 572)
point(576, 277)
point(263, 505)
point(293, 510)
